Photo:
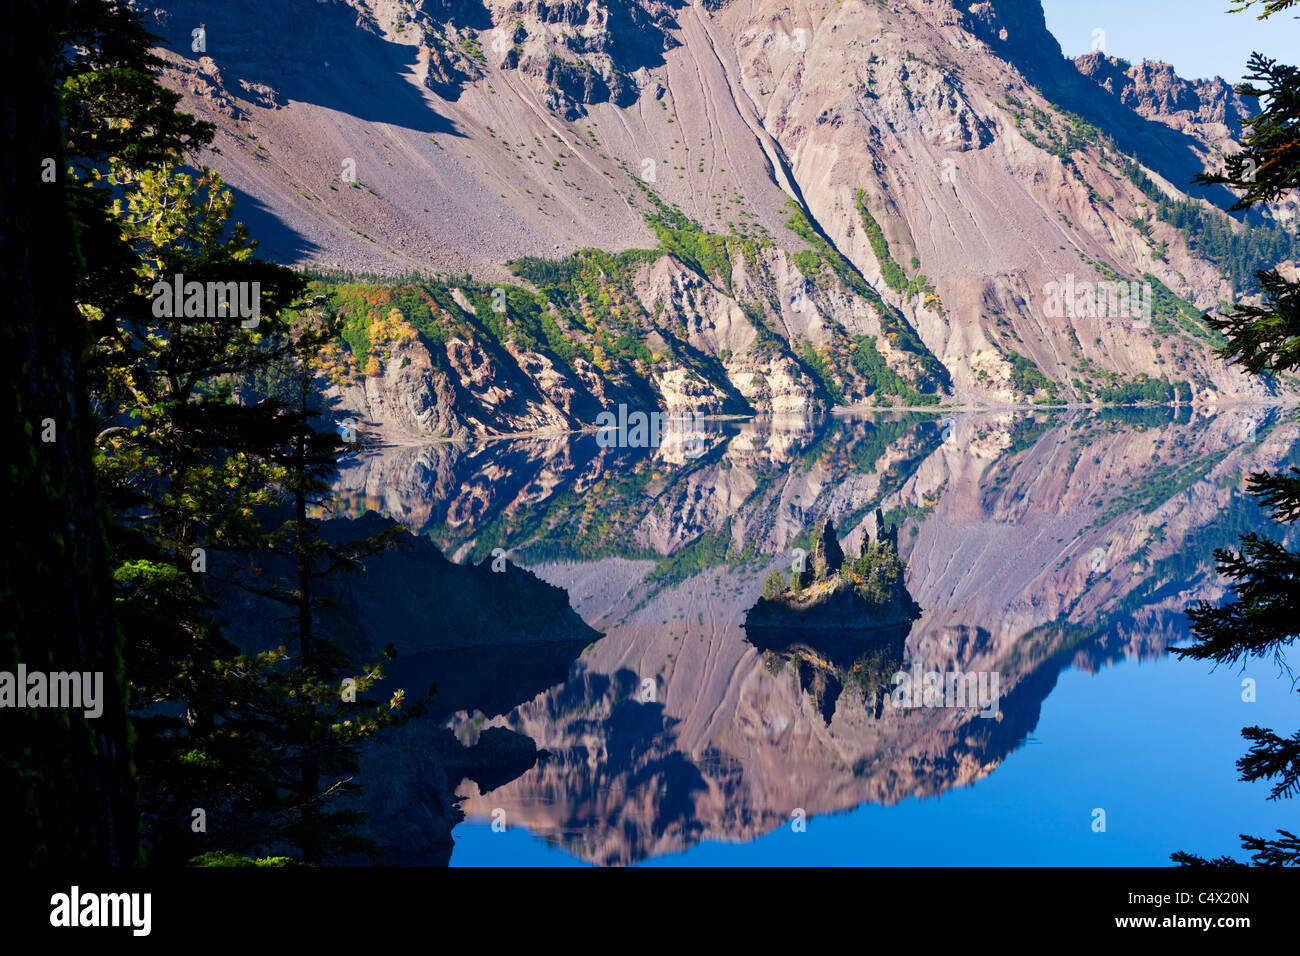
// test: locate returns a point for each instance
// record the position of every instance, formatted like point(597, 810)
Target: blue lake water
point(1153, 743)
point(1058, 551)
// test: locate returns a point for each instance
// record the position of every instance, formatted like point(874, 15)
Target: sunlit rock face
point(946, 149)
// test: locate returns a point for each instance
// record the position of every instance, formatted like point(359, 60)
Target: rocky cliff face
point(945, 166)
point(755, 332)
point(1208, 110)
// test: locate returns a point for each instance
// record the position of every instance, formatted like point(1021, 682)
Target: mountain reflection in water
point(1034, 542)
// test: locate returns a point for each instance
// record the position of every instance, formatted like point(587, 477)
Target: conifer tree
point(194, 456)
point(1263, 617)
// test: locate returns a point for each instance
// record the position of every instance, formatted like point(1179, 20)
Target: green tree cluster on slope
point(877, 571)
point(1237, 251)
point(1263, 616)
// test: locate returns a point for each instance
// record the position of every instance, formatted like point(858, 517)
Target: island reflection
point(1032, 543)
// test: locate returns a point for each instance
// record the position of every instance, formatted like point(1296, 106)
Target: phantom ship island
point(840, 621)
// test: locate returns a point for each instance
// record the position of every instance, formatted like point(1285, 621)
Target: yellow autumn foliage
point(393, 329)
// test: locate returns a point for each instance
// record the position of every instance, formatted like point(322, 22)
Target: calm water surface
point(1055, 550)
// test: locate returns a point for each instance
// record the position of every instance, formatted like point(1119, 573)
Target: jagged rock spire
point(828, 556)
point(879, 534)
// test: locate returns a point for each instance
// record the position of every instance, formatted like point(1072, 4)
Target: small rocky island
point(834, 593)
point(839, 620)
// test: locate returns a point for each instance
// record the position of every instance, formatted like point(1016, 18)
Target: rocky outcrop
point(828, 556)
point(835, 599)
point(828, 611)
point(1208, 109)
point(729, 342)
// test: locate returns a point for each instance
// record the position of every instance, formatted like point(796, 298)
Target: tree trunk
point(66, 779)
point(311, 768)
